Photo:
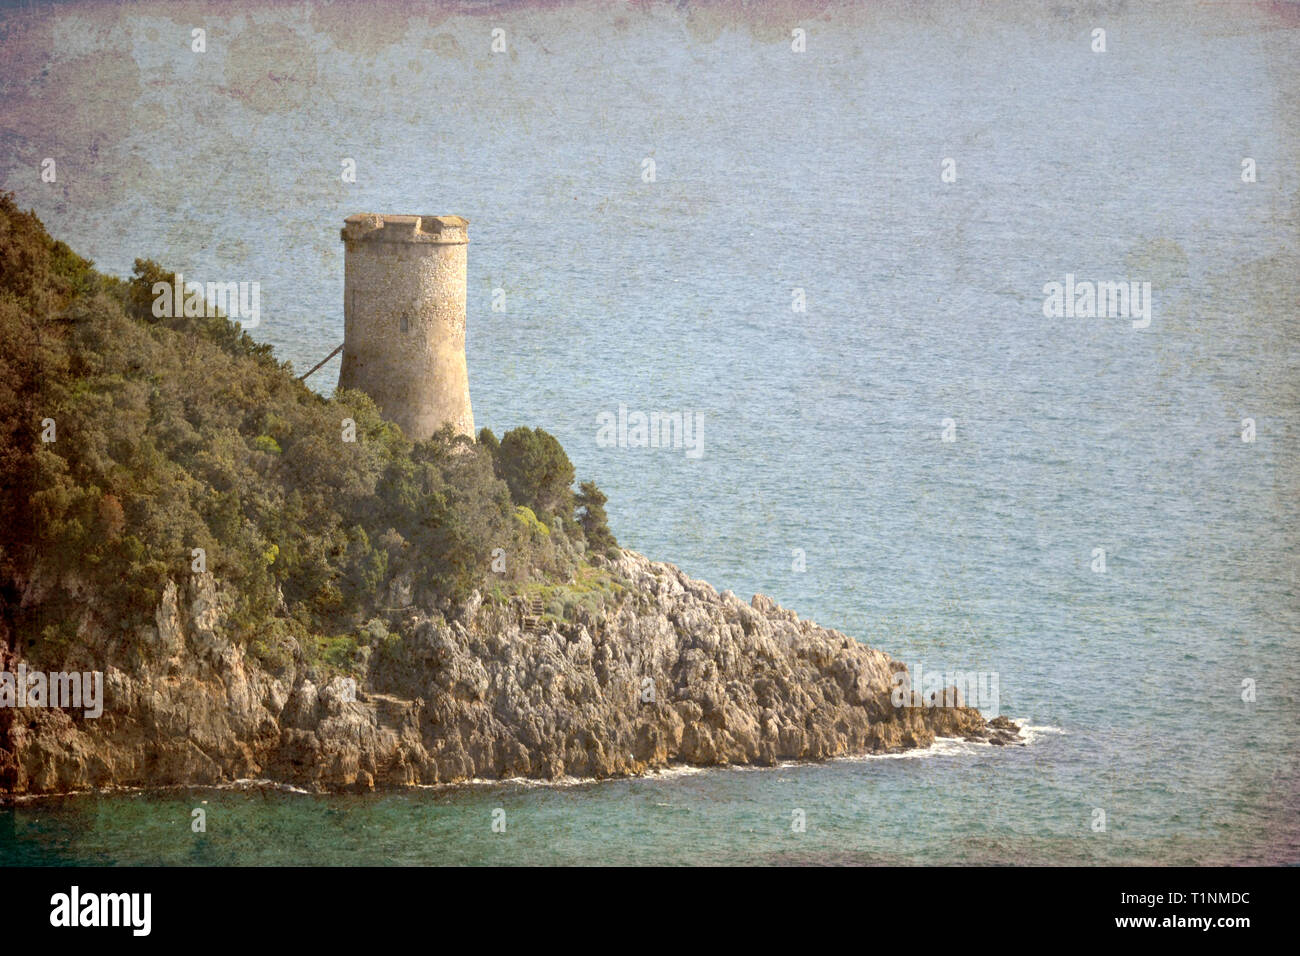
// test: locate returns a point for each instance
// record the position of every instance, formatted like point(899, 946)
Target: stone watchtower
point(404, 319)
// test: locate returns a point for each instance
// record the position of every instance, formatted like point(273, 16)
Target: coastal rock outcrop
point(672, 672)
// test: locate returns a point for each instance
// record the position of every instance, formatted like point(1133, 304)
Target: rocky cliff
point(673, 673)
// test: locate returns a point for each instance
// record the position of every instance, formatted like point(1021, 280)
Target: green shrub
point(528, 520)
point(537, 471)
point(590, 502)
point(339, 653)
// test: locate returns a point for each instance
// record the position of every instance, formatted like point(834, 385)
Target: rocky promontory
point(264, 583)
point(671, 672)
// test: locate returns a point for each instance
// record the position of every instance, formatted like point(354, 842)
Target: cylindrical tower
point(404, 319)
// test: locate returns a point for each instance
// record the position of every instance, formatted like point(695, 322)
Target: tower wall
point(404, 319)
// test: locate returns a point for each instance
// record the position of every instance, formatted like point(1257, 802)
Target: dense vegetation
point(175, 434)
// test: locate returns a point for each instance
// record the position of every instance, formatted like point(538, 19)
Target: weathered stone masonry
point(404, 319)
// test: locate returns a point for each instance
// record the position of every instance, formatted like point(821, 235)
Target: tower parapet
point(404, 287)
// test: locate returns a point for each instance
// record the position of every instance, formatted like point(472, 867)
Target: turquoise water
point(822, 429)
point(957, 805)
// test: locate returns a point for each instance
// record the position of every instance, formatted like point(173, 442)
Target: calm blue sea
point(777, 171)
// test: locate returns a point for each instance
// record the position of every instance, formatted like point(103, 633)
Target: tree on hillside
point(590, 502)
point(539, 474)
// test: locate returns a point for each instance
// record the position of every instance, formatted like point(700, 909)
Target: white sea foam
point(243, 783)
point(675, 770)
point(1035, 732)
point(258, 783)
point(942, 747)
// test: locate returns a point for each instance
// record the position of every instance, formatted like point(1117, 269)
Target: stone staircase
point(531, 614)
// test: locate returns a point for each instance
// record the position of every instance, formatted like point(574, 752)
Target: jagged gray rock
point(671, 672)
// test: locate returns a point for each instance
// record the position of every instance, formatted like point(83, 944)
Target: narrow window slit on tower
point(406, 326)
